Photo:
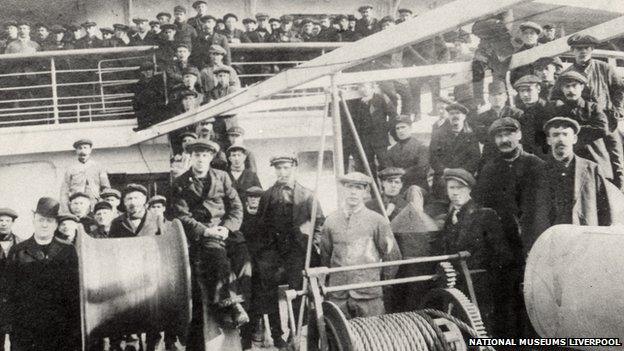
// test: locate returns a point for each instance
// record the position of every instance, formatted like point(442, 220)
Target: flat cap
point(110, 192)
point(154, 23)
point(183, 44)
point(306, 21)
point(262, 15)
point(407, 119)
point(203, 144)
point(77, 195)
point(351, 18)
point(83, 141)
point(282, 158)
point(583, 40)
point(23, 23)
point(531, 25)
point(188, 134)
point(573, 76)
point(5, 211)
point(122, 27)
point(207, 18)
point(562, 121)
point(88, 24)
point(461, 175)
point(457, 107)
point(385, 19)
point(66, 216)
point(221, 69)
point(254, 191)
point(355, 178)
point(168, 26)
point(106, 30)
point(497, 87)
point(157, 199)
point(273, 19)
point(548, 26)
point(57, 29)
point(138, 20)
point(102, 205)
point(527, 80)
point(179, 9)
point(364, 8)
point(190, 70)
point(10, 24)
point(236, 130)
point(545, 61)
point(505, 123)
point(217, 49)
point(405, 11)
point(236, 147)
point(163, 14)
point(199, 2)
point(249, 20)
point(229, 15)
point(286, 18)
point(133, 187)
point(72, 27)
point(391, 172)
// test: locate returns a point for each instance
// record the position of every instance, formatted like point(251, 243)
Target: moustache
point(507, 144)
point(569, 94)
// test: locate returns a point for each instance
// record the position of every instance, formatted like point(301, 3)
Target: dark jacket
point(7, 242)
point(185, 32)
point(450, 151)
point(365, 28)
point(398, 201)
point(201, 45)
point(347, 35)
point(413, 156)
point(231, 35)
point(122, 228)
point(43, 292)
point(282, 36)
point(88, 42)
point(373, 119)
point(532, 124)
point(484, 120)
point(246, 180)
point(256, 36)
point(174, 72)
point(149, 39)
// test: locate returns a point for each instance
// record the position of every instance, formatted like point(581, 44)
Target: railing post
point(337, 130)
point(54, 90)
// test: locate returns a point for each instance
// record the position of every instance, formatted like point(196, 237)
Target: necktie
point(454, 219)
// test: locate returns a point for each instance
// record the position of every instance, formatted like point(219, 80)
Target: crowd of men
point(489, 183)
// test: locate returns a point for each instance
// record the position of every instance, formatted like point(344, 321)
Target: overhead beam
point(407, 33)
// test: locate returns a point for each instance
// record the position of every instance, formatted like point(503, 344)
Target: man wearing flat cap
point(476, 229)
point(242, 178)
point(80, 206)
point(216, 55)
point(55, 40)
point(344, 33)
point(356, 235)
point(499, 108)
point(409, 153)
point(598, 140)
point(207, 204)
point(549, 33)
point(181, 161)
point(284, 214)
point(207, 37)
point(182, 61)
point(67, 230)
point(391, 196)
point(404, 15)
point(571, 189)
point(143, 35)
point(547, 69)
point(236, 136)
point(185, 32)
point(149, 96)
point(190, 81)
point(535, 113)
point(113, 197)
point(136, 221)
point(42, 287)
point(201, 8)
point(103, 214)
point(455, 145)
point(232, 32)
point(120, 35)
point(11, 34)
point(7, 240)
point(367, 24)
point(605, 86)
point(529, 36)
point(23, 44)
point(90, 40)
point(85, 175)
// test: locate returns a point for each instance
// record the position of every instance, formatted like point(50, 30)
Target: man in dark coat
point(242, 178)
point(42, 286)
point(597, 140)
point(90, 40)
point(202, 10)
point(454, 146)
point(372, 115)
point(207, 204)
point(534, 115)
point(391, 185)
point(529, 35)
point(476, 229)
point(506, 185)
point(7, 241)
point(497, 94)
point(409, 153)
point(185, 32)
point(344, 33)
point(143, 36)
point(366, 25)
point(285, 221)
point(80, 206)
point(547, 69)
point(136, 221)
point(149, 97)
point(175, 70)
point(205, 39)
point(571, 189)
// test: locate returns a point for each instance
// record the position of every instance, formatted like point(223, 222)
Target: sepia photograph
point(311, 175)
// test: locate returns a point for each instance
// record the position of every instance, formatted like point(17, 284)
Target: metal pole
point(337, 130)
point(360, 148)
point(54, 90)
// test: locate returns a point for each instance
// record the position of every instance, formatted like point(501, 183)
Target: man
point(7, 241)
point(476, 229)
point(250, 25)
point(143, 35)
point(103, 215)
point(207, 204)
point(11, 30)
point(67, 228)
point(113, 197)
point(604, 85)
point(263, 22)
point(135, 221)
point(42, 283)
point(80, 206)
point(90, 40)
point(155, 28)
point(549, 34)
point(235, 136)
point(547, 69)
point(149, 97)
point(455, 146)
point(85, 176)
point(157, 205)
point(404, 15)
point(216, 55)
point(185, 32)
point(204, 41)
point(367, 24)
point(373, 114)
point(180, 162)
point(120, 35)
point(529, 35)
point(409, 153)
point(254, 32)
point(166, 44)
point(23, 44)
point(345, 33)
point(242, 178)
point(275, 24)
point(223, 83)
point(181, 62)
point(285, 33)
point(497, 95)
point(327, 33)
point(284, 213)
point(55, 40)
point(190, 81)
point(597, 139)
point(391, 186)
point(307, 30)
point(355, 235)
point(571, 189)
point(352, 22)
point(107, 37)
point(43, 34)
point(231, 32)
point(534, 114)
point(201, 7)
point(164, 18)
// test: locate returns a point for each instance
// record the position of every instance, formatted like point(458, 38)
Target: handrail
point(298, 45)
point(78, 52)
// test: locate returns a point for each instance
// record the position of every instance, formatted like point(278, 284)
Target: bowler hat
point(47, 207)
point(461, 175)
